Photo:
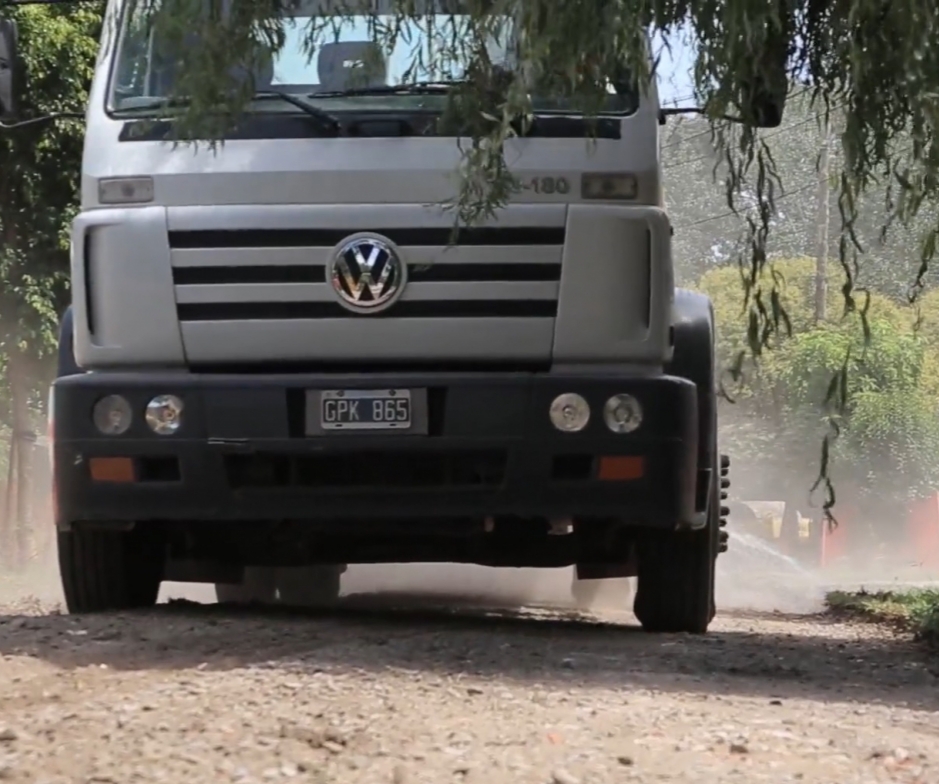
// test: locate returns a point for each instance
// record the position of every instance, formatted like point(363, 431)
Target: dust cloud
point(740, 585)
point(753, 575)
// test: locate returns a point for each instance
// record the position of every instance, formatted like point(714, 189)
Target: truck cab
point(282, 358)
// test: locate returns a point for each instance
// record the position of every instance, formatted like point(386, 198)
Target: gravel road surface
point(399, 689)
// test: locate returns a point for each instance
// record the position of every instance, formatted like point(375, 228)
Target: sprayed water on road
point(752, 575)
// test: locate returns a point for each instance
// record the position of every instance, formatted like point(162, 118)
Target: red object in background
point(922, 531)
point(836, 540)
point(921, 539)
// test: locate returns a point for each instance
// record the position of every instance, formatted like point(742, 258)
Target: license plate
point(365, 409)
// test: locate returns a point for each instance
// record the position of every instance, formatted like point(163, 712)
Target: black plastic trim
point(329, 238)
point(316, 273)
point(279, 311)
point(546, 473)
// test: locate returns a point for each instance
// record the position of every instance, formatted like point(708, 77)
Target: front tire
point(109, 570)
point(676, 575)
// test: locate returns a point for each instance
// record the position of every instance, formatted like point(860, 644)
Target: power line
point(732, 213)
point(708, 155)
point(769, 135)
point(689, 161)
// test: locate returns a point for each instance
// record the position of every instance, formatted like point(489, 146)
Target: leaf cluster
point(889, 416)
point(40, 172)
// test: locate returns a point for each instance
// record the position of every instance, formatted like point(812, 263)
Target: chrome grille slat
point(319, 256)
point(322, 292)
point(282, 274)
point(353, 339)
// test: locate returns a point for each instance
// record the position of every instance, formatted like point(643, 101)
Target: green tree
point(40, 174)
point(793, 281)
point(888, 449)
point(40, 166)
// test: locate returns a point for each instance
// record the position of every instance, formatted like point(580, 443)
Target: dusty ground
point(398, 688)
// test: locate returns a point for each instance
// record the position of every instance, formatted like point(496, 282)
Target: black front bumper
point(490, 449)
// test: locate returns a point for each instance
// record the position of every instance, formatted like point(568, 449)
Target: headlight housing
point(569, 412)
point(622, 413)
point(164, 414)
point(112, 415)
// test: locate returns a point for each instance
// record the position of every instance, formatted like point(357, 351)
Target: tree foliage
point(889, 418)
point(708, 234)
point(40, 168)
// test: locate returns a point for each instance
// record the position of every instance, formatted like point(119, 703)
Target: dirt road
point(392, 690)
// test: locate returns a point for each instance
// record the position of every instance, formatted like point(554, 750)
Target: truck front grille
point(278, 274)
point(368, 470)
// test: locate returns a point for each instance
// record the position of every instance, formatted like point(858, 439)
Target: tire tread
point(108, 570)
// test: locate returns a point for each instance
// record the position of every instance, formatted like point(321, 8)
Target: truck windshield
point(342, 60)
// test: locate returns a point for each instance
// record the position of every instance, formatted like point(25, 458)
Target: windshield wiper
point(148, 103)
point(326, 121)
point(418, 88)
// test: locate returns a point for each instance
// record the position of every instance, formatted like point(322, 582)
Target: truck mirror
point(766, 104)
point(764, 95)
point(9, 68)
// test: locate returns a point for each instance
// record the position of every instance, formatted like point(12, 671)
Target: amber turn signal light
point(111, 469)
point(620, 468)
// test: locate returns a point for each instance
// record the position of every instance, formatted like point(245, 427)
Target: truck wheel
point(309, 585)
point(109, 570)
point(257, 587)
point(104, 570)
point(676, 576)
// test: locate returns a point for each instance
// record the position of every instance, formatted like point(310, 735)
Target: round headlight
point(622, 413)
point(164, 414)
point(112, 415)
point(569, 412)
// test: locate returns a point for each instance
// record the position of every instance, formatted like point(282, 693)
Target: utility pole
point(821, 224)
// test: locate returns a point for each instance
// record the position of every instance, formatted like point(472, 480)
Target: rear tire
point(676, 575)
point(307, 586)
point(109, 570)
point(293, 586)
point(257, 587)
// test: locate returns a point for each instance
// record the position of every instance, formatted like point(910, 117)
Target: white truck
point(277, 363)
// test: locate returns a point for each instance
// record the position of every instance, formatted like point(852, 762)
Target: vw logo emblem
point(367, 274)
